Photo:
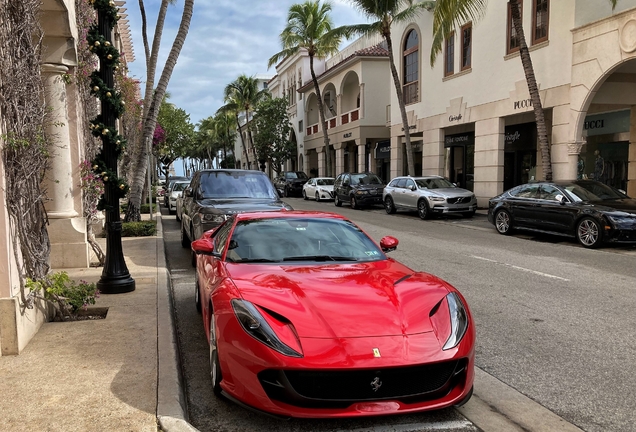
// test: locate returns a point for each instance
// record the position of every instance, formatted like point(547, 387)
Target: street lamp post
point(115, 277)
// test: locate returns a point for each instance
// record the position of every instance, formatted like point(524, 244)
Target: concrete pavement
point(120, 373)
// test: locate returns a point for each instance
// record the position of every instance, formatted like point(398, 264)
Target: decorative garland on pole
point(115, 276)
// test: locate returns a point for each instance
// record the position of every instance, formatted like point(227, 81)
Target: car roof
point(229, 170)
point(420, 177)
point(289, 214)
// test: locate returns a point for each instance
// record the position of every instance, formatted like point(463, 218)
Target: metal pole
point(115, 277)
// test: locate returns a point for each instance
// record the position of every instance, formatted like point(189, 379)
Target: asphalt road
point(555, 322)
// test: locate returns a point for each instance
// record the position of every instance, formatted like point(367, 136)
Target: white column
point(362, 100)
point(397, 158)
point(58, 179)
point(361, 156)
point(433, 152)
point(67, 229)
point(489, 159)
point(322, 161)
point(339, 158)
point(631, 167)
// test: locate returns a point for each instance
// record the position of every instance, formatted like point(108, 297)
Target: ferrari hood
point(382, 298)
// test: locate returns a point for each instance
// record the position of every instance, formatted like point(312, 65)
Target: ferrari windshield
point(434, 183)
point(300, 239)
point(231, 184)
point(592, 191)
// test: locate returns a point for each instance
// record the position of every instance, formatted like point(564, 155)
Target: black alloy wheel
point(317, 197)
point(503, 222)
point(336, 201)
point(215, 367)
point(185, 240)
point(589, 233)
point(354, 203)
point(388, 205)
point(422, 209)
point(305, 195)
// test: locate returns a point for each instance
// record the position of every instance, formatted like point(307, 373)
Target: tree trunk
point(400, 97)
point(134, 198)
point(539, 114)
point(238, 124)
point(321, 112)
point(249, 134)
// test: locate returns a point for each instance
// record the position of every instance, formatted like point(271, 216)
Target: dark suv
point(214, 195)
point(290, 183)
point(358, 189)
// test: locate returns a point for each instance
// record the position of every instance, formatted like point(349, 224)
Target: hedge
point(139, 229)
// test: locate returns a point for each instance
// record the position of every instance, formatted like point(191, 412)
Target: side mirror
point(187, 192)
point(561, 199)
point(204, 246)
point(412, 187)
point(389, 244)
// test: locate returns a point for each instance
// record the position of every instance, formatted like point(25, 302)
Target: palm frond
point(413, 11)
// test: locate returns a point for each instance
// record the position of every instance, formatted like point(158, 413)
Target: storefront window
point(459, 159)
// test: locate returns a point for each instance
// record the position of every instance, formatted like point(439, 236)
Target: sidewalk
point(116, 374)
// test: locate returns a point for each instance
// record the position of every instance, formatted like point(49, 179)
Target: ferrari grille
point(322, 389)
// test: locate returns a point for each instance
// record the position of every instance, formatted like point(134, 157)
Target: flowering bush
point(159, 137)
point(68, 296)
point(93, 187)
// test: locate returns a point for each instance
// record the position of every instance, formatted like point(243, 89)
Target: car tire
point(353, 203)
point(423, 211)
point(336, 201)
point(589, 233)
point(503, 222)
point(317, 197)
point(469, 214)
point(185, 240)
point(388, 205)
point(197, 295)
point(215, 367)
point(305, 195)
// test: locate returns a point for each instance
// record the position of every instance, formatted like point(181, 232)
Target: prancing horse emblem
point(376, 352)
point(376, 384)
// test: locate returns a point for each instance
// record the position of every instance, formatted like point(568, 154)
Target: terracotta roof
point(374, 51)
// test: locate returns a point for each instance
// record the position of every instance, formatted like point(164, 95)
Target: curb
point(171, 401)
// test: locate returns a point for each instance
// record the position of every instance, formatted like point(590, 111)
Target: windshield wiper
point(319, 258)
point(255, 260)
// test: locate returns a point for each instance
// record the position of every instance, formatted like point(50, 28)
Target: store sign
point(521, 136)
point(383, 150)
point(526, 103)
point(453, 118)
point(467, 138)
point(347, 135)
point(608, 123)
point(411, 127)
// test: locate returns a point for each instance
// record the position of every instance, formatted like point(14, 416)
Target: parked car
point(429, 195)
point(168, 187)
point(358, 189)
point(319, 188)
point(290, 183)
point(214, 195)
point(175, 192)
point(588, 210)
point(306, 316)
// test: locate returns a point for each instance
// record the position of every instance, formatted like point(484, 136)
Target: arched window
point(411, 68)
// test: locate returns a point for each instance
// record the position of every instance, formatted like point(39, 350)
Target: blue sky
point(226, 38)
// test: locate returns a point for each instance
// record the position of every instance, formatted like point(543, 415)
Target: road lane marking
point(521, 268)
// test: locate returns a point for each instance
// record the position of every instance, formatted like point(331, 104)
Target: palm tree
point(309, 27)
point(232, 109)
point(152, 99)
point(243, 94)
point(384, 13)
point(450, 13)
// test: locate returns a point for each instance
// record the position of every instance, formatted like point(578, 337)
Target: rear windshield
point(227, 184)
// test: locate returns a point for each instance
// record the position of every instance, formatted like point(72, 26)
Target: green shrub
point(139, 229)
point(68, 296)
point(144, 209)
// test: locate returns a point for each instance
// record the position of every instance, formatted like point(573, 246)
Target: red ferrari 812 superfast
point(307, 317)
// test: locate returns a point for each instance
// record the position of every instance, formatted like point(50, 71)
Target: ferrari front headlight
point(449, 319)
point(257, 326)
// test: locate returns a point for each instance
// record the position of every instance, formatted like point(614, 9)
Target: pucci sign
point(525, 103)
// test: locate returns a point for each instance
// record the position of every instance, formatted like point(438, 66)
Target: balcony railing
point(350, 116)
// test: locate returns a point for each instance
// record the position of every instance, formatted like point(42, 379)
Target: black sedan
point(588, 210)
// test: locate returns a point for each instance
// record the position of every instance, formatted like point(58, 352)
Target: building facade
point(67, 226)
point(470, 115)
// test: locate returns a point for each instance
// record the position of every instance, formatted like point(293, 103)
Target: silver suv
point(428, 195)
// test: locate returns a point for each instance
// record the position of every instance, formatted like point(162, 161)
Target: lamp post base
point(116, 285)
